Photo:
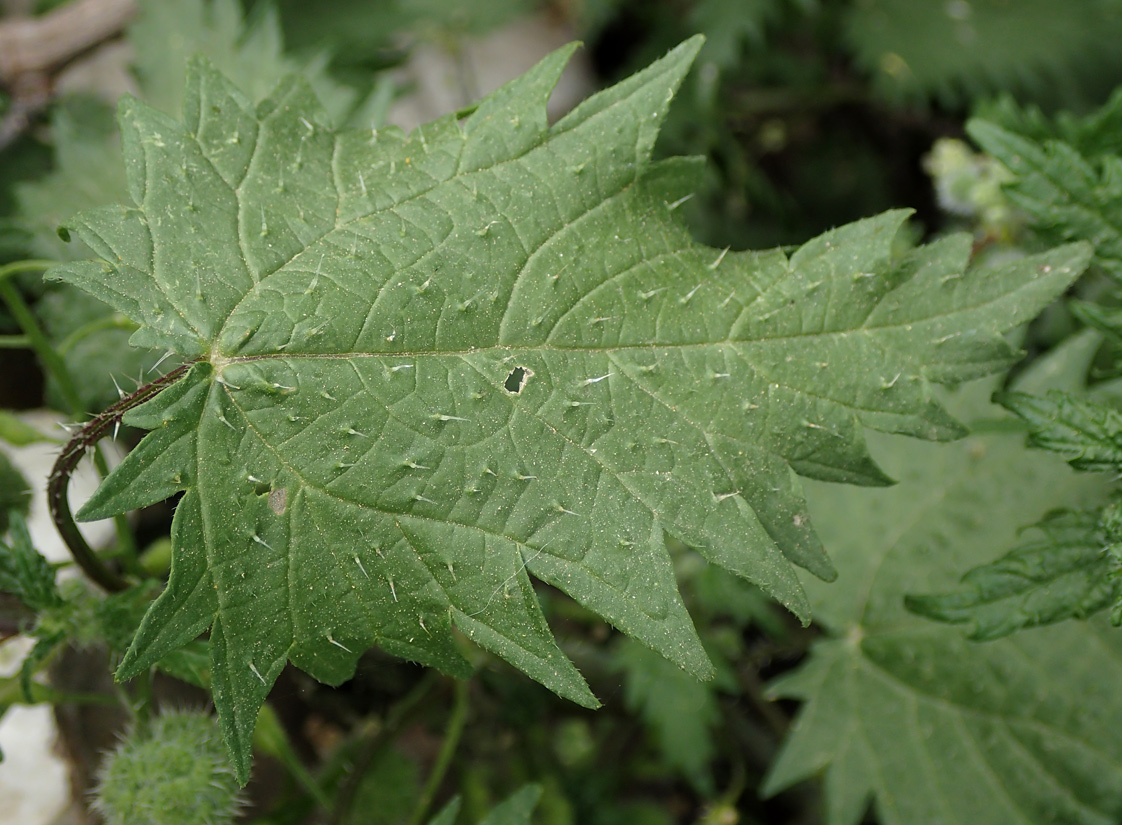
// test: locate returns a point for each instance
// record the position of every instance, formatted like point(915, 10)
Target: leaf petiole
point(57, 483)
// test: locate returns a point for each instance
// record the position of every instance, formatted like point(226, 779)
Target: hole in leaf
point(260, 488)
point(517, 380)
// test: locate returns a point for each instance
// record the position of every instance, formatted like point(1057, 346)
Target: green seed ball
point(177, 773)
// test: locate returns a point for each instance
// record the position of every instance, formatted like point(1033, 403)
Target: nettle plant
point(417, 372)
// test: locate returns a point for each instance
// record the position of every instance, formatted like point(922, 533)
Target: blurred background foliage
point(812, 113)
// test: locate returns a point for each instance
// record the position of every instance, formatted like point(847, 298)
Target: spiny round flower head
point(176, 773)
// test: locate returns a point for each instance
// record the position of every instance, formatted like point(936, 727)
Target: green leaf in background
point(164, 35)
point(23, 570)
point(1071, 571)
point(388, 791)
point(516, 809)
point(429, 367)
point(1065, 194)
point(17, 432)
point(910, 715)
point(678, 710)
point(968, 48)
point(1092, 134)
point(15, 493)
point(1087, 431)
point(1064, 575)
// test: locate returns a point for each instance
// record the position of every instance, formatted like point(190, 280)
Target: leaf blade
point(358, 465)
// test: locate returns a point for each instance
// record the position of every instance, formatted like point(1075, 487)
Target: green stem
point(141, 704)
point(97, 325)
point(14, 342)
point(35, 335)
point(447, 751)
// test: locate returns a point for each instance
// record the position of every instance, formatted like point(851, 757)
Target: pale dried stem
point(39, 44)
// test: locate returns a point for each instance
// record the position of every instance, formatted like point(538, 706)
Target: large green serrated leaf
point(909, 714)
point(432, 366)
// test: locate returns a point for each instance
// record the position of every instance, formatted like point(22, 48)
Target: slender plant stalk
point(35, 335)
point(14, 342)
point(447, 751)
point(58, 481)
point(52, 360)
point(98, 325)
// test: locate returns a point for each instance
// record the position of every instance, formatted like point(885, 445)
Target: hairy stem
point(58, 481)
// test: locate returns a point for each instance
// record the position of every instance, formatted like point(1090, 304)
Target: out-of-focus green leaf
point(17, 432)
point(23, 570)
point(970, 48)
point(679, 711)
point(387, 792)
point(514, 810)
point(909, 715)
point(1065, 194)
point(1087, 432)
point(15, 493)
point(1065, 574)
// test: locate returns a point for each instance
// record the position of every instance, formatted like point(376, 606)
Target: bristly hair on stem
point(59, 480)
